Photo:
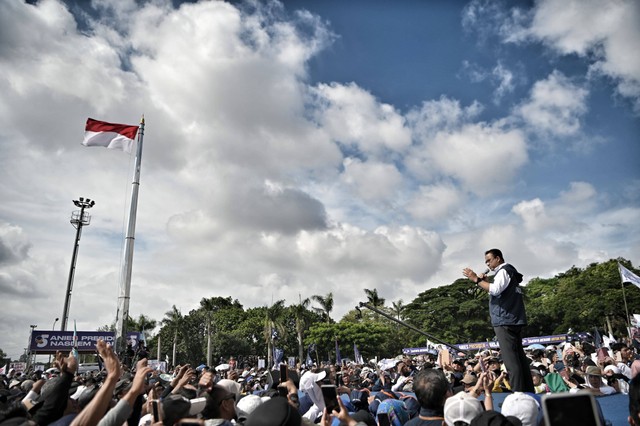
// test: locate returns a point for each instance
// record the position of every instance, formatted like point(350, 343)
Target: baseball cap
point(523, 406)
point(461, 407)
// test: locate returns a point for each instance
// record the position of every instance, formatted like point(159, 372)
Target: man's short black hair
point(431, 386)
point(618, 346)
point(495, 253)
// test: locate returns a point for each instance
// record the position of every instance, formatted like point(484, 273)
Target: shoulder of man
point(512, 272)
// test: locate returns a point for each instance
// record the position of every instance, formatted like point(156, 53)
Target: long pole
point(626, 310)
point(78, 222)
point(127, 263)
point(72, 273)
point(409, 326)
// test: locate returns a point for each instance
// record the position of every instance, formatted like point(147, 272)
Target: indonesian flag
point(109, 135)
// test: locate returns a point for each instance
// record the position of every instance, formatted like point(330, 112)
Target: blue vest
point(507, 308)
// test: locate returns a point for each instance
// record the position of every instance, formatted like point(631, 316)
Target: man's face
point(594, 381)
point(536, 379)
point(625, 353)
point(491, 261)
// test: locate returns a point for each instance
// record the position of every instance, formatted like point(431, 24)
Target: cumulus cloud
point(558, 215)
point(354, 118)
point(469, 153)
point(555, 106)
point(371, 180)
point(603, 32)
point(435, 202)
point(14, 247)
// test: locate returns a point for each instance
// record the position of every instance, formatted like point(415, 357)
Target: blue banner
point(476, 346)
point(51, 341)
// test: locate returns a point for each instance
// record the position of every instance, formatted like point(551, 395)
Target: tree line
point(580, 299)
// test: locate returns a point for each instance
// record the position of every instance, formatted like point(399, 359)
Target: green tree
point(373, 299)
point(398, 309)
point(273, 324)
point(326, 305)
point(455, 313)
point(581, 299)
point(209, 306)
point(300, 312)
point(173, 321)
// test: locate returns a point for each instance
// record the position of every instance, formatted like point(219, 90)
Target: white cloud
point(555, 106)
point(501, 77)
point(505, 80)
point(578, 193)
point(371, 181)
point(559, 215)
point(483, 158)
point(435, 202)
point(605, 32)
point(353, 117)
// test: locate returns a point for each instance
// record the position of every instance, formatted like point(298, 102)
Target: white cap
point(461, 407)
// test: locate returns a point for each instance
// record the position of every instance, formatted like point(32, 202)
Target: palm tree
point(173, 320)
point(398, 309)
point(326, 305)
point(273, 322)
point(373, 298)
point(145, 325)
point(209, 306)
point(299, 312)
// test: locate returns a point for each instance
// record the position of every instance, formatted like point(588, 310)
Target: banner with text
point(544, 340)
point(51, 341)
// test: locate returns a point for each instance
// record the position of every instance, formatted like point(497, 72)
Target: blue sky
point(308, 147)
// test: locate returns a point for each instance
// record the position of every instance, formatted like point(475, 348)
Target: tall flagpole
point(127, 261)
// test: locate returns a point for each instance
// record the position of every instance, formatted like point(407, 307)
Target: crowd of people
point(436, 388)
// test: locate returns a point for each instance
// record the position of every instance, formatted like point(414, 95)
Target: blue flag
point(278, 356)
point(338, 357)
point(356, 355)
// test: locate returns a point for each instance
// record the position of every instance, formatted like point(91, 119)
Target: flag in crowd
point(338, 357)
point(597, 339)
point(356, 355)
point(109, 135)
point(278, 356)
point(627, 276)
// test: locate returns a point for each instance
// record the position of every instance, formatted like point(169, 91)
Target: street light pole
point(33, 326)
point(78, 220)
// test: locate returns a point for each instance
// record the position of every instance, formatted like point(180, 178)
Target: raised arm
point(97, 408)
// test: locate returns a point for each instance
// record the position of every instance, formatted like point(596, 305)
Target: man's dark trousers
point(512, 353)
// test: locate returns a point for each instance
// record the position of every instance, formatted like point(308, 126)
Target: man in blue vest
point(508, 317)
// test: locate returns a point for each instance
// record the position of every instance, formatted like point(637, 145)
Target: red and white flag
point(109, 135)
